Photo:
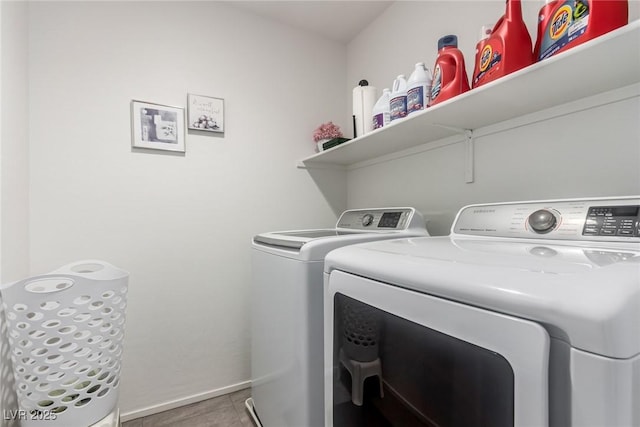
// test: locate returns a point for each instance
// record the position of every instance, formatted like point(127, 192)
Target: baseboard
point(150, 410)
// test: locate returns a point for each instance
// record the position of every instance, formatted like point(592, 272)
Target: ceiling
point(337, 20)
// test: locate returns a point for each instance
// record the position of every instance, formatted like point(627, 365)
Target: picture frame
point(205, 113)
point(157, 126)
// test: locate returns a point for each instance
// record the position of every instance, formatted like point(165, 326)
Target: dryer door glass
point(393, 372)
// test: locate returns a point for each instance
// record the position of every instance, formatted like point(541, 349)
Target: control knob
point(542, 221)
point(367, 220)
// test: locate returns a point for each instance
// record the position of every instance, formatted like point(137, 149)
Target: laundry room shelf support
point(468, 149)
point(468, 157)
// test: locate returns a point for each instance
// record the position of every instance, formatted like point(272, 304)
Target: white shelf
point(609, 62)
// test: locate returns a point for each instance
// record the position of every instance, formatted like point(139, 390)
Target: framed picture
point(205, 113)
point(157, 126)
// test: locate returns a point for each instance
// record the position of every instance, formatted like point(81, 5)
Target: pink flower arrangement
point(327, 131)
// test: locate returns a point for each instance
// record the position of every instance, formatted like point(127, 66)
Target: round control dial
point(367, 220)
point(542, 221)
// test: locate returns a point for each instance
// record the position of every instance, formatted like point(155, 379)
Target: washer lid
point(588, 296)
point(297, 239)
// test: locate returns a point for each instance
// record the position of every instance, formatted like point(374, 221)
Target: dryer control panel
point(612, 221)
point(600, 219)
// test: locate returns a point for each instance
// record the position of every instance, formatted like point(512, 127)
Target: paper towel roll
point(364, 98)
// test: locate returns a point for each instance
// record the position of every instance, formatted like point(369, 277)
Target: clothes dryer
point(287, 324)
point(528, 314)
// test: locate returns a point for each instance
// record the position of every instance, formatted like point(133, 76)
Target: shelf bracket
point(468, 150)
point(468, 156)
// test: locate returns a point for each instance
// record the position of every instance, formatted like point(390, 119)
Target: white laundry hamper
point(65, 336)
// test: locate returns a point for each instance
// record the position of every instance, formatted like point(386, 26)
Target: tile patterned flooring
point(221, 411)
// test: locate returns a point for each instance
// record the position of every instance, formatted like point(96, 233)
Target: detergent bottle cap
point(450, 40)
point(363, 83)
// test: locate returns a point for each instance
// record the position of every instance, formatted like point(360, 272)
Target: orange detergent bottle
point(449, 74)
point(563, 24)
point(507, 49)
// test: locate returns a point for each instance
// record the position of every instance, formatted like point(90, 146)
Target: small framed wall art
point(205, 113)
point(157, 126)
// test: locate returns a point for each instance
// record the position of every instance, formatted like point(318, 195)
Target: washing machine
point(527, 314)
point(287, 324)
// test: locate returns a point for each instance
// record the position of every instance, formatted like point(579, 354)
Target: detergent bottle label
point(416, 98)
point(490, 58)
point(398, 107)
point(436, 84)
point(380, 120)
point(564, 25)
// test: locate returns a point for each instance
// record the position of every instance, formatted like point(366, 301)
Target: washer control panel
point(601, 219)
point(383, 219)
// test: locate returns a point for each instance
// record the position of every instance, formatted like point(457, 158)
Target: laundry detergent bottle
point(484, 39)
point(564, 24)
point(398, 102)
point(506, 50)
point(381, 112)
point(418, 88)
point(449, 74)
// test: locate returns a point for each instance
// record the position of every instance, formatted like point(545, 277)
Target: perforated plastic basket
point(65, 335)
point(361, 331)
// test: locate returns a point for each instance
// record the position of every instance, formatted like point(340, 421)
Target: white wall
point(14, 170)
point(14, 155)
point(594, 152)
point(180, 224)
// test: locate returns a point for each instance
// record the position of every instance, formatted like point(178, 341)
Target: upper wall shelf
point(609, 62)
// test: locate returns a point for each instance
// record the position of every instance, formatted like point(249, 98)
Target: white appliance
point(528, 314)
point(287, 294)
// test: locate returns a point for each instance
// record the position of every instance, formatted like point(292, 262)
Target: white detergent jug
point(398, 102)
point(418, 88)
point(381, 113)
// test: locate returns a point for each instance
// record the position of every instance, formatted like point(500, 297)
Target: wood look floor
point(222, 411)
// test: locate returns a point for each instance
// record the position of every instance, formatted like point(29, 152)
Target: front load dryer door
point(398, 357)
